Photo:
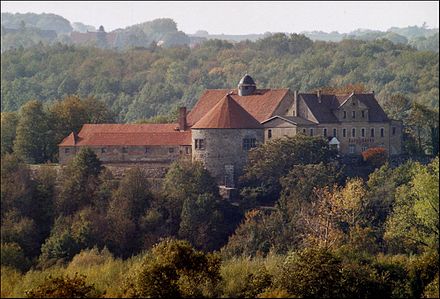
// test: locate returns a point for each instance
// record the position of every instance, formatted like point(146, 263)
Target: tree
point(79, 182)
point(414, 222)
point(174, 269)
point(33, 133)
point(9, 121)
point(375, 156)
point(274, 159)
point(63, 287)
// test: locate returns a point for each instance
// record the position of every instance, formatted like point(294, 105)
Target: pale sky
point(242, 17)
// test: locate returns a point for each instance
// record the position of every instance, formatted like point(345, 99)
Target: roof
point(247, 80)
point(227, 114)
point(323, 110)
point(261, 104)
point(296, 120)
point(128, 134)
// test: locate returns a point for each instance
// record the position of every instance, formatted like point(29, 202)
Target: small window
point(311, 132)
point(187, 150)
point(364, 148)
point(353, 114)
point(200, 144)
point(344, 132)
point(362, 132)
point(394, 131)
point(345, 114)
point(352, 148)
point(363, 114)
point(304, 131)
point(124, 150)
point(103, 150)
point(372, 132)
point(67, 150)
point(146, 150)
point(335, 132)
point(249, 143)
point(353, 132)
point(269, 134)
point(324, 132)
point(382, 132)
point(171, 150)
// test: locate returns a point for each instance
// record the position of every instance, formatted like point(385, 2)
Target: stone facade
point(223, 153)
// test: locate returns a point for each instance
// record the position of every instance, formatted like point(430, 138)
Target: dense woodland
point(305, 226)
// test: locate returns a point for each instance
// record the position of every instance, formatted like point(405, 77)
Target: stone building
point(225, 123)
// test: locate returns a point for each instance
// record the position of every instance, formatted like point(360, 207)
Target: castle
point(225, 124)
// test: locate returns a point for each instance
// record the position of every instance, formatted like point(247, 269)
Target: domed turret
point(246, 86)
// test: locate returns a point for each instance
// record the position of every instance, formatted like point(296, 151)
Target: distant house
point(226, 123)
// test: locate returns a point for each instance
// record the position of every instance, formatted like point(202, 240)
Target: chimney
point(295, 102)
point(182, 118)
point(318, 93)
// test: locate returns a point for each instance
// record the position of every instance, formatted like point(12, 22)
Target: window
point(353, 114)
point(311, 132)
point(248, 143)
point(345, 114)
point(394, 131)
point(188, 150)
point(351, 148)
point(363, 114)
point(304, 131)
point(362, 132)
point(103, 150)
point(353, 132)
point(324, 132)
point(372, 132)
point(344, 132)
point(364, 148)
point(269, 134)
point(146, 150)
point(67, 150)
point(382, 132)
point(335, 132)
point(171, 150)
point(200, 144)
point(124, 150)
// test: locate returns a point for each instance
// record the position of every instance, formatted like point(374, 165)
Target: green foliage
point(13, 256)
point(9, 121)
point(79, 182)
point(174, 269)
point(63, 287)
point(274, 159)
point(33, 134)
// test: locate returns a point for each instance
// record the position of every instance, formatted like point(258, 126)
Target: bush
point(63, 287)
point(375, 156)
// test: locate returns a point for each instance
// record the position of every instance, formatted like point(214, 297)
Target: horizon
point(265, 17)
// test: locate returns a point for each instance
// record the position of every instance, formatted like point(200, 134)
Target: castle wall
point(127, 154)
point(223, 149)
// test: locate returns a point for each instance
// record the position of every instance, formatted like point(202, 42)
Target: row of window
point(353, 114)
point(344, 132)
point(248, 143)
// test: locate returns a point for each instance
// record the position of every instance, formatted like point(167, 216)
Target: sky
point(242, 17)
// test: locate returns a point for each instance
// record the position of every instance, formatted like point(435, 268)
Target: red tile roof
point(261, 104)
point(227, 114)
point(128, 134)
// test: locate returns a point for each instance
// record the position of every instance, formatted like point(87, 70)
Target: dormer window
point(353, 114)
point(345, 114)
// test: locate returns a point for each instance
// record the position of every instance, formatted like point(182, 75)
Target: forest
point(305, 226)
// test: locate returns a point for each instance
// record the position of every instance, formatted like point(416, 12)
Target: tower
point(246, 86)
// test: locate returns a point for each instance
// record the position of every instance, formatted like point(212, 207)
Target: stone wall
point(223, 148)
point(141, 154)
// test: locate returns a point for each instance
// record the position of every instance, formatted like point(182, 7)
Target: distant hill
point(164, 32)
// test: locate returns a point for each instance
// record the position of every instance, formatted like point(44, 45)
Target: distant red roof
point(128, 134)
point(261, 104)
point(227, 114)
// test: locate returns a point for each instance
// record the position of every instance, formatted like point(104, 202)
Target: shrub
point(375, 156)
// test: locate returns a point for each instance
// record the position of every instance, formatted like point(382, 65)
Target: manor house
point(226, 123)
